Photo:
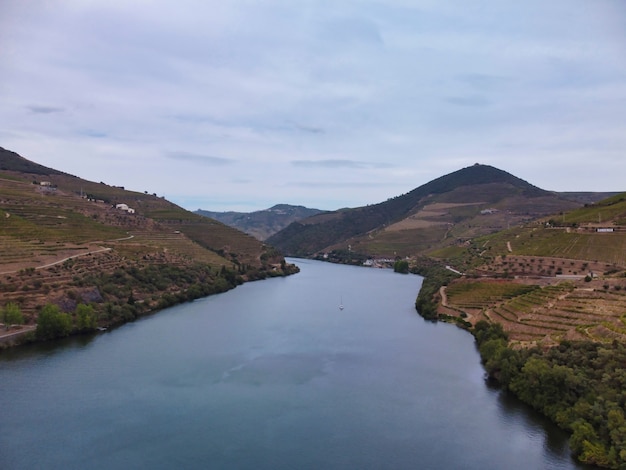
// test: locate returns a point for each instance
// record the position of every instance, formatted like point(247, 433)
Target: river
point(271, 375)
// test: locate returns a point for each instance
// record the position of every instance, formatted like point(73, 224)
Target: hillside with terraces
point(557, 278)
point(66, 241)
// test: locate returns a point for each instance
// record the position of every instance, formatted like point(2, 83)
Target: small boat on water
point(341, 304)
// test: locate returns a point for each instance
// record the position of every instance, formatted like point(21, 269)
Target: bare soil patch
point(427, 217)
point(411, 223)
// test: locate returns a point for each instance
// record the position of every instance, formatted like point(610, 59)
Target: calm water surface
point(271, 375)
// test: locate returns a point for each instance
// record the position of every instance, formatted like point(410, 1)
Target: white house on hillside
point(125, 208)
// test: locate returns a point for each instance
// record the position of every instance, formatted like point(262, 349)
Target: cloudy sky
point(243, 104)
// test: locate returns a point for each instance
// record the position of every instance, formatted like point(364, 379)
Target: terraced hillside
point(563, 277)
point(66, 241)
point(41, 225)
point(544, 314)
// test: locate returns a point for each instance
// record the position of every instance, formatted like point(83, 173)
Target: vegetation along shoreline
point(538, 277)
point(578, 384)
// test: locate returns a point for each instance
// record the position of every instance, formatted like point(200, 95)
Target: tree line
point(581, 386)
point(51, 321)
point(121, 296)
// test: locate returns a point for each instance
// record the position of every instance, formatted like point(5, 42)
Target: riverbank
point(15, 335)
point(272, 375)
point(579, 385)
point(101, 300)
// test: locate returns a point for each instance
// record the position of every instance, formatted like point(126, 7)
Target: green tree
point(401, 266)
point(52, 323)
point(548, 387)
point(85, 318)
point(617, 429)
point(12, 315)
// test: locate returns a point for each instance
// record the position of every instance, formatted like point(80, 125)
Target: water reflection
point(555, 440)
point(47, 348)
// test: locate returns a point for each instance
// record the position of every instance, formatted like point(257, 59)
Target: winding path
point(6, 335)
point(61, 260)
point(444, 297)
point(72, 257)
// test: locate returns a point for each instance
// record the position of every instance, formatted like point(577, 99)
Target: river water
point(271, 375)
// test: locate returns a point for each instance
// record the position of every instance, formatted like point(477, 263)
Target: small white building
point(491, 210)
point(125, 208)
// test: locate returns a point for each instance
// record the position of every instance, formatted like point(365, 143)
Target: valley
point(538, 277)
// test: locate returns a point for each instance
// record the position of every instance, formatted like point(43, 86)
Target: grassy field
point(609, 211)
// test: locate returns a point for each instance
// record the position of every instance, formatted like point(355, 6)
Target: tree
point(85, 318)
point(52, 323)
point(12, 315)
point(401, 266)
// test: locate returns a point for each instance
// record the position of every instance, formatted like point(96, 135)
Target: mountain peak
point(479, 174)
point(424, 216)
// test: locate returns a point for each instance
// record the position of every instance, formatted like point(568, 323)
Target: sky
point(243, 104)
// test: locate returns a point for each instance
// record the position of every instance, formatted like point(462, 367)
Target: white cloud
point(232, 93)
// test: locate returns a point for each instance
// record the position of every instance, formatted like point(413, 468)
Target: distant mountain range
point(473, 201)
point(262, 224)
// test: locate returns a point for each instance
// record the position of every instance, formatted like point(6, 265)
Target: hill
point(587, 197)
point(572, 268)
point(13, 162)
point(69, 241)
point(469, 202)
point(262, 224)
point(545, 267)
point(545, 301)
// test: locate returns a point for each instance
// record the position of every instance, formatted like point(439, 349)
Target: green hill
point(546, 302)
point(67, 241)
point(472, 201)
point(13, 162)
point(577, 259)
